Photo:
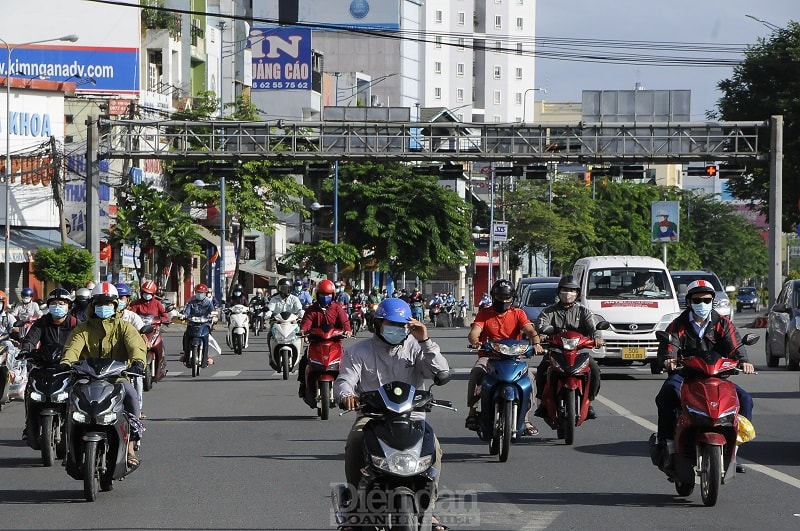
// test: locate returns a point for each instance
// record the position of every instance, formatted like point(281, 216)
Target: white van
point(636, 295)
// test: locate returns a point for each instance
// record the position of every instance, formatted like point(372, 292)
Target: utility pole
point(774, 278)
point(92, 198)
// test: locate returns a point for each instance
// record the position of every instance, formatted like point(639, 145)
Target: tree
point(67, 265)
point(318, 256)
point(767, 83)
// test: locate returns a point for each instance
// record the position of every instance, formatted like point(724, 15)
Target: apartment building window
point(518, 119)
point(496, 118)
point(520, 2)
point(519, 23)
point(498, 22)
point(460, 69)
point(497, 100)
point(518, 73)
point(437, 16)
point(437, 93)
point(519, 48)
point(437, 41)
point(518, 98)
point(498, 71)
point(461, 43)
point(437, 67)
point(460, 94)
point(462, 18)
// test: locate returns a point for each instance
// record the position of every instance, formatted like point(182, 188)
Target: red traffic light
point(711, 171)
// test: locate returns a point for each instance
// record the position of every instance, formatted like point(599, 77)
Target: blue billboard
point(281, 58)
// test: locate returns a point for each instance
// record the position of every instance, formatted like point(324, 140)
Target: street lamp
point(769, 25)
point(9, 49)
point(316, 206)
point(525, 102)
point(199, 183)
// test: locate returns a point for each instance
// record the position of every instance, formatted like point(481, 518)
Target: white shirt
point(133, 318)
point(292, 304)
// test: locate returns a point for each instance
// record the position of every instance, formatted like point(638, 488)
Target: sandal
point(472, 421)
point(436, 525)
point(529, 429)
point(133, 461)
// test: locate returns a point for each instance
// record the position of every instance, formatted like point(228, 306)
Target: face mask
point(237, 293)
point(297, 289)
point(104, 312)
point(702, 310)
point(500, 306)
point(26, 300)
point(394, 335)
point(567, 297)
point(57, 310)
point(147, 297)
point(324, 300)
point(121, 304)
point(200, 296)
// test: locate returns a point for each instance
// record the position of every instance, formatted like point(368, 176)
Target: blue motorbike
point(198, 329)
point(417, 311)
point(505, 394)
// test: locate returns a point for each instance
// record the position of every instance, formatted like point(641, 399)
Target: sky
point(686, 21)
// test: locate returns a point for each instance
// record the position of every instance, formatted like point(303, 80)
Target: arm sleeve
point(162, 313)
point(307, 322)
point(344, 320)
point(137, 349)
point(74, 345)
point(349, 375)
point(432, 360)
point(33, 336)
point(733, 340)
point(666, 350)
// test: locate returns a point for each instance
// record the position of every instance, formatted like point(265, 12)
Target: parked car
point(783, 335)
point(747, 297)
point(682, 279)
point(539, 296)
point(524, 283)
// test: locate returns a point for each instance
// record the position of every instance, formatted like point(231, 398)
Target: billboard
point(664, 219)
point(104, 59)
point(281, 58)
point(359, 14)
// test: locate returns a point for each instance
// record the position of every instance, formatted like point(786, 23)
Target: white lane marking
point(513, 516)
point(225, 374)
point(774, 474)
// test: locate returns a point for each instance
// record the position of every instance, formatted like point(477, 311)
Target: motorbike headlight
point(79, 416)
point(108, 417)
point(402, 463)
point(36, 396)
point(60, 396)
point(570, 343)
point(510, 350)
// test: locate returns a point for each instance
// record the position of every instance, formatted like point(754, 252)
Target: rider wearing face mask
point(201, 305)
point(26, 308)
point(700, 329)
point(148, 303)
point(498, 321)
point(399, 350)
point(237, 296)
point(568, 314)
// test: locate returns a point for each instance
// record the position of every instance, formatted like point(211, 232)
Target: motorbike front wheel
point(237, 344)
point(195, 360)
point(48, 443)
point(568, 421)
point(710, 474)
point(324, 399)
point(285, 365)
point(91, 471)
point(147, 382)
point(508, 425)
point(404, 517)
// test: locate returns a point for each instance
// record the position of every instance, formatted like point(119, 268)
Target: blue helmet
point(123, 290)
point(27, 292)
point(394, 310)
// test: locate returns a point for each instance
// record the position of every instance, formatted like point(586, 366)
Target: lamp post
point(9, 49)
point(767, 24)
point(525, 102)
point(316, 206)
point(199, 183)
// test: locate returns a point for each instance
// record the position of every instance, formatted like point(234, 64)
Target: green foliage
point(157, 19)
point(767, 83)
point(69, 266)
point(318, 256)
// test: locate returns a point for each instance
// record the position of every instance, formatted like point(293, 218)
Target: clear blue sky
point(686, 21)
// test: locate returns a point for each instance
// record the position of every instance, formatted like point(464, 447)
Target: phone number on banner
point(282, 85)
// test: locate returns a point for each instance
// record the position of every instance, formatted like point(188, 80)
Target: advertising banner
point(281, 58)
point(664, 220)
point(360, 14)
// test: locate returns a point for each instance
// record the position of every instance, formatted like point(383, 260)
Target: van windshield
point(628, 283)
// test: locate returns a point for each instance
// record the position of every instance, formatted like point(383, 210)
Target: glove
point(64, 367)
point(137, 368)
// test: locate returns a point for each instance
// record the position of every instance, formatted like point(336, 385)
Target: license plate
point(632, 353)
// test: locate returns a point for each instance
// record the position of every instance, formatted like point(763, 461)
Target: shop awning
point(210, 237)
point(24, 241)
point(259, 271)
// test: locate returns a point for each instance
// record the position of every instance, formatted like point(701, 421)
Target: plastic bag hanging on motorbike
point(747, 431)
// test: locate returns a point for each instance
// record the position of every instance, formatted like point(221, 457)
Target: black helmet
point(59, 294)
point(502, 290)
point(568, 282)
point(284, 286)
point(237, 287)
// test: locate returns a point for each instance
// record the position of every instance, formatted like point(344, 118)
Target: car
point(524, 283)
point(681, 279)
point(747, 297)
point(783, 335)
point(538, 296)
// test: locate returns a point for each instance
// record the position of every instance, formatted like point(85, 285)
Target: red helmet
point(201, 288)
point(148, 286)
point(326, 287)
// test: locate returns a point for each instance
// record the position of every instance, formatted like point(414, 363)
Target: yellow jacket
point(104, 338)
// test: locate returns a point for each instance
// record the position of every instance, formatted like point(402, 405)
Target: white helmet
point(105, 292)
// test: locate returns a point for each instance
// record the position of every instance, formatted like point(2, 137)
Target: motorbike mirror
point(442, 377)
point(146, 329)
point(548, 330)
point(603, 325)
point(662, 336)
point(750, 339)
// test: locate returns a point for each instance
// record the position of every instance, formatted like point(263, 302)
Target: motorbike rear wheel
point(91, 471)
point(48, 444)
point(508, 426)
point(237, 344)
point(569, 416)
point(324, 399)
point(710, 474)
point(684, 489)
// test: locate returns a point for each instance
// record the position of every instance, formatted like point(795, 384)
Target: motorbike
point(7, 350)
point(324, 355)
point(257, 323)
point(285, 343)
point(439, 317)
point(417, 310)
point(98, 428)
point(460, 314)
point(707, 425)
point(356, 317)
point(46, 404)
point(156, 368)
point(505, 395)
point(198, 329)
point(566, 393)
point(16, 368)
point(395, 489)
point(369, 316)
point(238, 336)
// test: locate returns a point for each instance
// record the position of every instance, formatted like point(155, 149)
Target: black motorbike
point(395, 490)
point(46, 404)
point(257, 311)
point(98, 428)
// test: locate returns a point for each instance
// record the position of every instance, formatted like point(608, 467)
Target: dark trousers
point(594, 377)
point(668, 401)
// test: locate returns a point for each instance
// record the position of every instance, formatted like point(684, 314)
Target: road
point(236, 449)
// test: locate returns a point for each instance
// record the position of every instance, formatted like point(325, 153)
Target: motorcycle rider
point(324, 311)
point(6, 321)
point(81, 304)
point(106, 335)
point(148, 303)
point(485, 302)
point(123, 302)
point(303, 294)
point(284, 301)
point(237, 296)
point(500, 321)
point(257, 305)
point(341, 295)
point(374, 296)
point(26, 309)
point(569, 314)
point(200, 306)
point(699, 329)
point(399, 350)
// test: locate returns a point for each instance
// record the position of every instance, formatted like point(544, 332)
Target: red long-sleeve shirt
point(151, 307)
point(333, 315)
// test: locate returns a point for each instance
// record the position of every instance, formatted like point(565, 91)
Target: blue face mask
point(104, 312)
point(200, 296)
point(147, 297)
point(394, 335)
point(121, 304)
point(324, 300)
point(57, 310)
point(702, 310)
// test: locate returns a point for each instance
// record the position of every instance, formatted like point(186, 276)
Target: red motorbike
point(156, 363)
point(324, 355)
point(566, 393)
point(707, 425)
point(356, 317)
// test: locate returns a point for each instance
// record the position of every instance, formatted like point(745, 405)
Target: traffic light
point(729, 172)
point(451, 170)
point(702, 171)
point(632, 171)
point(711, 170)
point(536, 172)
